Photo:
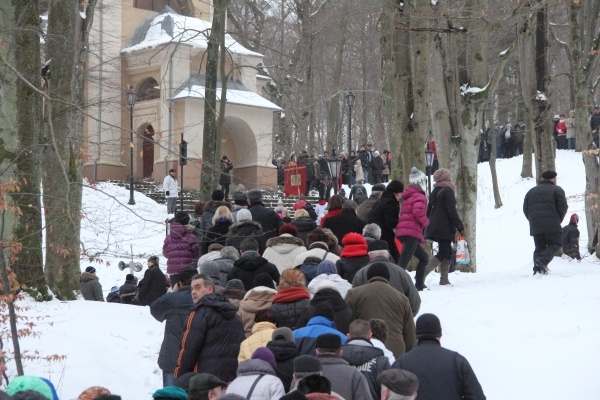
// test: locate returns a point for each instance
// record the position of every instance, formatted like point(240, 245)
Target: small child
point(570, 238)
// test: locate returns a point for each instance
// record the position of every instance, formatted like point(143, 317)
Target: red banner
point(294, 180)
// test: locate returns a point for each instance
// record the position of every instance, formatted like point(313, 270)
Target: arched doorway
point(148, 152)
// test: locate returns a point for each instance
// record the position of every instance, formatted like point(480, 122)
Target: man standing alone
point(545, 206)
point(171, 190)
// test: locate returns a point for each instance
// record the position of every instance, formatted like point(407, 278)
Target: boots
point(444, 267)
point(422, 273)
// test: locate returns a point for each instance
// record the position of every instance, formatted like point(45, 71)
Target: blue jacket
point(306, 338)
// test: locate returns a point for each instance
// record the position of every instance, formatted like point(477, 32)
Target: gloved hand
point(167, 192)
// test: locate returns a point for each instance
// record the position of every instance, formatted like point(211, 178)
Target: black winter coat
point(268, 220)
point(216, 234)
point(250, 265)
point(545, 206)
point(152, 286)
point(175, 308)
point(204, 223)
point(225, 177)
point(288, 314)
point(369, 360)
point(443, 218)
point(344, 223)
point(570, 240)
point(347, 267)
point(343, 314)
point(243, 230)
point(442, 373)
point(285, 353)
point(304, 226)
point(211, 341)
point(128, 292)
point(385, 213)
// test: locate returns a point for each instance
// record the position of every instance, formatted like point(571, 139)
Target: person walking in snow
point(545, 206)
point(171, 190)
point(570, 238)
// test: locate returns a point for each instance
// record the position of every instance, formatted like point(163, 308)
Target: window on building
point(149, 89)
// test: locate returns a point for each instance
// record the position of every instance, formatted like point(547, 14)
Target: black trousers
point(410, 248)
point(546, 246)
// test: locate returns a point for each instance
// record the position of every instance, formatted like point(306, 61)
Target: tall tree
point(66, 44)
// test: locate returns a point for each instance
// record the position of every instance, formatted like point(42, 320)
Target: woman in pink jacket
point(413, 219)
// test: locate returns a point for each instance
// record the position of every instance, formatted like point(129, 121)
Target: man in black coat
point(153, 284)
point(442, 373)
point(360, 353)
point(250, 264)
point(386, 212)
point(545, 206)
point(175, 308)
point(364, 208)
point(345, 222)
point(214, 331)
point(266, 217)
point(284, 349)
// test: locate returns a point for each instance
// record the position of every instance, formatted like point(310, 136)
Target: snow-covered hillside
point(527, 337)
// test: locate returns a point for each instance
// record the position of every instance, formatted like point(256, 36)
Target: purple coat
point(181, 248)
point(413, 215)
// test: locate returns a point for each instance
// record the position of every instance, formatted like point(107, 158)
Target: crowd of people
point(308, 303)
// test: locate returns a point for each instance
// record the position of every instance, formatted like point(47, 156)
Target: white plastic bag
point(462, 251)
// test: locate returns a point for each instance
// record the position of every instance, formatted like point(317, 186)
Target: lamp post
point(350, 98)
point(428, 165)
point(131, 102)
point(334, 165)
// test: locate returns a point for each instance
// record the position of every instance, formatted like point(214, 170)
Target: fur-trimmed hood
point(239, 225)
point(285, 239)
point(87, 276)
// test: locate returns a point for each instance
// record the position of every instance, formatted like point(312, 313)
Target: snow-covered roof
point(237, 93)
point(170, 27)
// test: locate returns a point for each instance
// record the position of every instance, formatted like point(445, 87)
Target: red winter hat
point(355, 245)
point(289, 229)
point(299, 204)
point(574, 218)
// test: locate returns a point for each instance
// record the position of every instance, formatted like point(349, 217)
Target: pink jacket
point(413, 215)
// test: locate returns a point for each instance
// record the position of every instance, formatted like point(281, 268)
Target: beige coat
point(261, 335)
point(258, 298)
point(360, 176)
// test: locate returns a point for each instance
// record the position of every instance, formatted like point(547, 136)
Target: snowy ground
point(527, 337)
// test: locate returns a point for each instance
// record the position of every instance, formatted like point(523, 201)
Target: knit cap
point(262, 353)
point(92, 392)
point(326, 267)
point(263, 279)
point(283, 333)
point(417, 177)
point(428, 325)
point(28, 382)
point(243, 215)
point(441, 175)
point(171, 392)
point(355, 245)
point(235, 284)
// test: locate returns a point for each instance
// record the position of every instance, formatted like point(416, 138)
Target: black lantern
point(350, 98)
point(131, 102)
point(429, 165)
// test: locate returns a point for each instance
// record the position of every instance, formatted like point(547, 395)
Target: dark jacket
point(248, 266)
point(358, 193)
point(369, 360)
point(244, 230)
point(570, 240)
point(343, 223)
point(285, 352)
point(365, 158)
point(225, 267)
point(181, 248)
point(288, 305)
point(175, 308)
point(442, 373)
point(128, 293)
point(152, 286)
point(364, 209)
point(225, 177)
point(443, 218)
point(386, 213)
point(267, 218)
point(216, 234)
point(309, 269)
point(304, 226)
point(211, 341)
point(91, 289)
point(205, 222)
point(343, 314)
point(545, 206)
point(348, 266)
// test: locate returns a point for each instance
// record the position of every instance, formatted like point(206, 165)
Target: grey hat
point(307, 364)
point(230, 252)
point(210, 268)
point(235, 284)
point(378, 187)
point(254, 195)
point(283, 333)
point(399, 381)
point(243, 215)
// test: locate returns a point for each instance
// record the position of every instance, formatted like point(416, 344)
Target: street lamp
point(131, 102)
point(350, 102)
point(428, 165)
point(334, 165)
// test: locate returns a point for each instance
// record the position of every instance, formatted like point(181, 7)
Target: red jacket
point(413, 215)
point(561, 128)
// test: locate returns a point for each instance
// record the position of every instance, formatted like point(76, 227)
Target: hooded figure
point(570, 238)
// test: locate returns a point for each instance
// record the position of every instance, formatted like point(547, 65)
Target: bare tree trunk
point(494, 149)
point(223, 100)
point(209, 144)
point(67, 44)
point(28, 229)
